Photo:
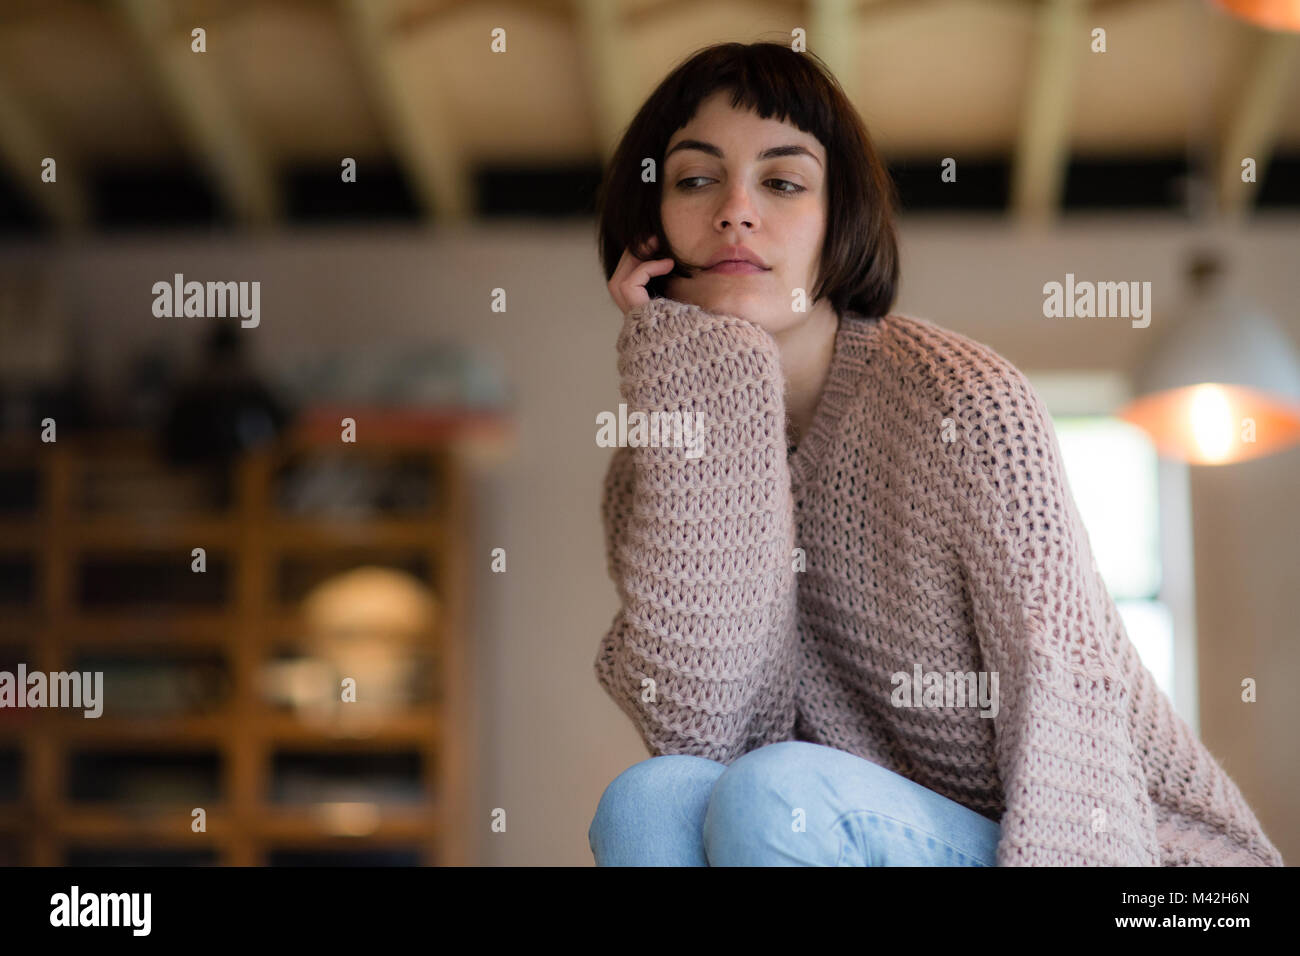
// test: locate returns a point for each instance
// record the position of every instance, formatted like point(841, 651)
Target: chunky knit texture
point(938, 530)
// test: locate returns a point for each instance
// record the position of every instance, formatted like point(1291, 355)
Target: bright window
point(1113, 473)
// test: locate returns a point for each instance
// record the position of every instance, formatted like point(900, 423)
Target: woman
point(861, 625)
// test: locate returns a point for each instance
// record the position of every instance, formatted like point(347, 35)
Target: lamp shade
point(1221, 387)
point(1271, 14)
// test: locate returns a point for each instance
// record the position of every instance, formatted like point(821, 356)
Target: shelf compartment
point(11, 774)
point(118, 580)
point(303, 777)
point(18, 577)
point(139, 483)
point(160, 686)
point(144, 778)
point(20, 490)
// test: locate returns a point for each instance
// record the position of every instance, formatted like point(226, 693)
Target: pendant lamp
point(1223, 385)
point(1270, 14)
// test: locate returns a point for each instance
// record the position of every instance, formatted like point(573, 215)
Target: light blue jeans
point(792, 803)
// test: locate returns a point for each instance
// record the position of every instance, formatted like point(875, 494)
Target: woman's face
point(720, 190)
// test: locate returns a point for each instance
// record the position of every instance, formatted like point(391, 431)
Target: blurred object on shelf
point(305, 685)
point(160, 686)
point(309, 778)
point(223, 408)
point(371, 625)
point(150, 382)
point(336, 486)
point(441, 375)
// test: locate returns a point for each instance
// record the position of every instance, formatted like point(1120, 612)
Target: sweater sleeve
point(701, 654)
point(1075, 791)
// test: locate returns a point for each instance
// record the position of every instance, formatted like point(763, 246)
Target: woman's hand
point(627, 285)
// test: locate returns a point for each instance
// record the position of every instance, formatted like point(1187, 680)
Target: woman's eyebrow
point(791, 150)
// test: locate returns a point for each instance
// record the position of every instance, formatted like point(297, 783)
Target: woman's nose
point(737, 210)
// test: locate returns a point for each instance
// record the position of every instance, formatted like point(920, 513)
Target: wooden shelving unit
point(41, 820)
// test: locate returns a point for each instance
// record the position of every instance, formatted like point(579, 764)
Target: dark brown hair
point(859, 262)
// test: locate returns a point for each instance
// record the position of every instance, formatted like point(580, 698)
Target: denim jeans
point(792, 803)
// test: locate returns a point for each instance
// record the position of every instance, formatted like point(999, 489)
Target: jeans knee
point(648, 786)
point(758, 790)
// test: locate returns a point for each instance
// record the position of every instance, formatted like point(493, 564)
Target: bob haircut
point(858, 270)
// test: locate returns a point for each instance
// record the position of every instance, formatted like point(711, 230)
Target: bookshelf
point(91, 580)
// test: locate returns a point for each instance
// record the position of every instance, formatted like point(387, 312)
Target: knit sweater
point(923, 524)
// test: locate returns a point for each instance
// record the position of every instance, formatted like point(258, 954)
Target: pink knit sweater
point(924, 524)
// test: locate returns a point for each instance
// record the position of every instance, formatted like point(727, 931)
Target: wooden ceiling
point(283, 82)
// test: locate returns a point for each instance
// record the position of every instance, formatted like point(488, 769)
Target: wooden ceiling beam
point(1043, 150)
point(24, 147)
point(832, 36)
point(603, 41)
point(419, 125)
point(1253, 127)
point(213, 128)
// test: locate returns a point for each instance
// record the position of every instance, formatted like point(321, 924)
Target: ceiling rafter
point(831, 36)
point(420, 127)
point(1253, 128)
point(24, 146)
point(1043, 148)
point(213, 128)
point(606, 48)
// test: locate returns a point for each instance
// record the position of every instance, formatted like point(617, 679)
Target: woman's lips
point(735, 266)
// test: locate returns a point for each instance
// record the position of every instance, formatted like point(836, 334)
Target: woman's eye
point(789, 192)
point(797, 188)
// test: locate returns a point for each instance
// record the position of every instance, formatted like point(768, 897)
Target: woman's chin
point(723, 302)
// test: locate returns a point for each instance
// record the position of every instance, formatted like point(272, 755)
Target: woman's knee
point(670, 783)
point(762, 774)
point(764, 797)
point(801, 803)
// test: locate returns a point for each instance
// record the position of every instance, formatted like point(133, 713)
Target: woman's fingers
point(634, 291)
point(627, 285)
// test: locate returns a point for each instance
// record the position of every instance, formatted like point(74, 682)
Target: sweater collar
point(848, 362)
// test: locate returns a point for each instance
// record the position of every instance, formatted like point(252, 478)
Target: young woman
point(861, 624)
